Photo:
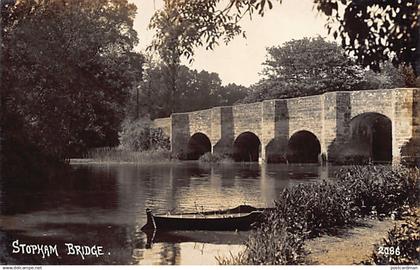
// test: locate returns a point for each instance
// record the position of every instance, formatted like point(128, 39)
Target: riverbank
point(373, 241)
point(117, 155)
point(351, 245)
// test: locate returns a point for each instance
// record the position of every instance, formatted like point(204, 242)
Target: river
point(104, 205)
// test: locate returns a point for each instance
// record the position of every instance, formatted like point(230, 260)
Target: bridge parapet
point(333, 118)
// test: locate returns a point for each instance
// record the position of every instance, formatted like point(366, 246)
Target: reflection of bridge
point(376, 124)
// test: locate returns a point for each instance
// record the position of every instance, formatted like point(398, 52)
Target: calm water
point(105, 205)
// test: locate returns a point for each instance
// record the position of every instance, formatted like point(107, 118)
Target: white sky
point(240, 61)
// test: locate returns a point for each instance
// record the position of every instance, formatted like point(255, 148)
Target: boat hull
point(241, 218)
point(241, 223)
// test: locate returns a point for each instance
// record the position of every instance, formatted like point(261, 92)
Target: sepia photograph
point(210, 133)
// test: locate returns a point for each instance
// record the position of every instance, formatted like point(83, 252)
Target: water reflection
point(105, 205)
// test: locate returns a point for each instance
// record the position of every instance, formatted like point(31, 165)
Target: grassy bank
point(306, 211)
point(108, 154)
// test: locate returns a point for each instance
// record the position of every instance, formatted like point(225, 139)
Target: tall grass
point(305, 211)
point(108, 154)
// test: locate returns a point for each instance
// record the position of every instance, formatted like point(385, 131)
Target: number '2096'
point(389, 250)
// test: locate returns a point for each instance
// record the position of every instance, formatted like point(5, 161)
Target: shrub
point(158, 140)
point(215, 158)
point(139, 135)
point(379, 188)
point(134, 135)
point(352, 159)
point(270, 245)
point(310, 209)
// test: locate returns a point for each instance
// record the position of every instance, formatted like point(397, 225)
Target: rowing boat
point(240, 218)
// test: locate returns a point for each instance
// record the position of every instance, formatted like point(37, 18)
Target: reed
point(108, 154)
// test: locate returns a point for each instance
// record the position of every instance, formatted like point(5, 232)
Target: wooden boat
point(199, 237)
point(240, 218)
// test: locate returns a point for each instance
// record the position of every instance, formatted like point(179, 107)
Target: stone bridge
point(376, 125)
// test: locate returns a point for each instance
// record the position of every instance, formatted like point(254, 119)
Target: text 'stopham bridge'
point(376, 125)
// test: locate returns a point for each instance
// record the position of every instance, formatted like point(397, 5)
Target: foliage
point(312, 66)
point(308, 210)
point(181, 25)
point(66, 70)
point(405, 237)
point(215, 158)
point(139, 135)
point(372, 31)
point(197, 90)
point(307, 67)
point(375, 31)
point(230, 94)
point(134, 135)
point(112, 154)
point(158, 139)
point(389, 77)
point(177, 32)
point(270, 245)
point(379, 189)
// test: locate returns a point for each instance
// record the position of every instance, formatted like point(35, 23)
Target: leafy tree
point(314, 66)
point(372, 30)
point(230, 94)
point(390, 77)
point(306, 67)
point(67, 67)
point(197, 90)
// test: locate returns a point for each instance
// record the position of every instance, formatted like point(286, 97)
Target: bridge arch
point(247, 147)
point(371, 136)
point(198, 145)
point(303, 147)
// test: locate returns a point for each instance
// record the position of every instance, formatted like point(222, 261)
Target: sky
point(241, 60)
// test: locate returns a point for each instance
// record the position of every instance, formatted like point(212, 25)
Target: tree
point(374, 31)
point(176, 35)
point(312, 66)
point(231, 94)
point(197, 90)
point(307, 67)
point(67, 67)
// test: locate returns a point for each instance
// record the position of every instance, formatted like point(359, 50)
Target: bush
point(352, 159)
point(271, 245)
point(379, 188)
point(138, 135)
point(215, 158)
point(310, 209)
point(134, 135)
point(158, 140)
point(404, 241)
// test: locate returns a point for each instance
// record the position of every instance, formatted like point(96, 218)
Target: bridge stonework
point(328, 116)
